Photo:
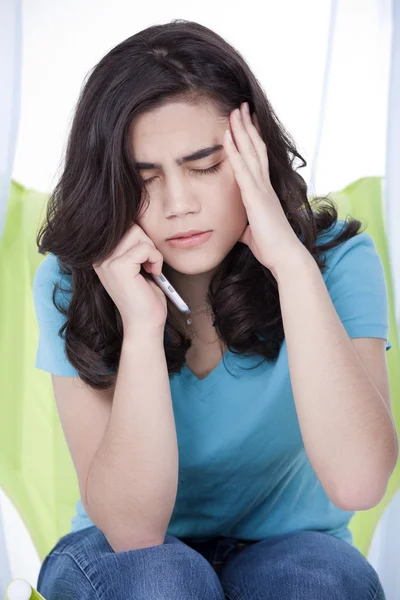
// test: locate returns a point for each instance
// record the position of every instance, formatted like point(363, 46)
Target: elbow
point(356, 500)
point(114, 528)
point(362, 496)
point(122, 538)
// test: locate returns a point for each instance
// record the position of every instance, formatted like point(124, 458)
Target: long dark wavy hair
point(100, 195)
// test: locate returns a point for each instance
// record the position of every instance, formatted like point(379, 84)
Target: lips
point(190, 240)
point(187, 234)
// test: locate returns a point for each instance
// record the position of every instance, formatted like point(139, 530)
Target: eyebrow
point(197, 155)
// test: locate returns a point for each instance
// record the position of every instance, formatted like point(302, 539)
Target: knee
point(325, 563)
point(305, 564)
point(61, 577)
point(171, 570)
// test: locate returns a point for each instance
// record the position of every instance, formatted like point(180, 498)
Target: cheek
point(234, 199)
point(147, 214)
point(230, 185)
point(145, 223)
point(228, 210)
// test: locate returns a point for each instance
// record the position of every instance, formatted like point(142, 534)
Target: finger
point(155, 268)
point(132, 236)
point(143, 253)
point(242, 173)
point(244, 144)
point(129, 238)
point(258, 143)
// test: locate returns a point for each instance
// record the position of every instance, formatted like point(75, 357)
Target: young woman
point(221, 456)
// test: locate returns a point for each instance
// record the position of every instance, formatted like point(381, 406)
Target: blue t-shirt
point(243, 469)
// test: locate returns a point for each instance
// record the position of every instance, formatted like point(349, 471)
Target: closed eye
point(213, 169)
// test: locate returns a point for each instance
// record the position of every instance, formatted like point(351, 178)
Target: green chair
point(36, 471)
point(363, 199)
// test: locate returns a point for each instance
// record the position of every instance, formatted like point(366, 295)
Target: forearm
point(132, 483)
point(347, 429)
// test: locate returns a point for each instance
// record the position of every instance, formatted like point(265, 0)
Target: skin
point(182, 199)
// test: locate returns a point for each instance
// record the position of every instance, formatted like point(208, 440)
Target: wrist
point(292, 263)
point(137, 331)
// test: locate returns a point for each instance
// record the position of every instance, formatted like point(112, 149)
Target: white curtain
point(385, 548)
point(358, 131)
point(10, 99)
point(352, 117)
point(10, 96)
point(393, 156)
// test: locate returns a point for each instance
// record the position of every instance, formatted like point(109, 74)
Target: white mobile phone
point(172, 294)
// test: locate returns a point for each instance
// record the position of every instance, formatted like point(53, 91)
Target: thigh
point(83, 565)
point(305, 565)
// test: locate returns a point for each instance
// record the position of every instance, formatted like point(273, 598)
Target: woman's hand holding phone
point(141, 302)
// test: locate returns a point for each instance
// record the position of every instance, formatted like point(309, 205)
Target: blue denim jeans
point(305, 565)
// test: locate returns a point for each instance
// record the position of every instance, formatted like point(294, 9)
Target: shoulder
point(50, 280)
point(47, 276)
point(355, 279)
point(49, 272)
point(352, 254)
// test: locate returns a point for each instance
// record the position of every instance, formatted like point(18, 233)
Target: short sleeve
point(356, 282)
point(50, 355)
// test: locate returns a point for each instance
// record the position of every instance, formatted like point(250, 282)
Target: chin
point(197, 270)
point(194, 265)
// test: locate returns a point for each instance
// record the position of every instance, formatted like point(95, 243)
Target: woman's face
point(181, 197)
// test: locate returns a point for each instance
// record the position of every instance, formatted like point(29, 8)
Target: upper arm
point(356, 283)
point(84, 414)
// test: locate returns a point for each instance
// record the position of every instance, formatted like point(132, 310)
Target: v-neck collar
point(202, 387)
point(230, 364)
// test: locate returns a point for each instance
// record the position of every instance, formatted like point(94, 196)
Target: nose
point(179, 198)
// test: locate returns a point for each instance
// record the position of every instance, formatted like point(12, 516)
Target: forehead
point(176, 123)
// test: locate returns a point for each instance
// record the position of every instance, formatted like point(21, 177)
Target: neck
point(192, 288)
